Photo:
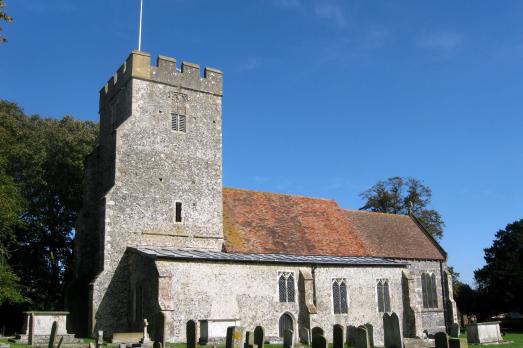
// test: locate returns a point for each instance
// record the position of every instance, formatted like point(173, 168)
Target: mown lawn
point(516, 337)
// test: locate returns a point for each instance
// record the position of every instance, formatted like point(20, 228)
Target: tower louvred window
point(286, 287)
point(179, 123)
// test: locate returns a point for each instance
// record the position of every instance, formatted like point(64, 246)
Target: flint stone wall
point(249, 292)
point(142, 168)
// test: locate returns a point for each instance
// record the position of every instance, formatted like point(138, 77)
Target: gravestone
point(319, 341)
point(351, 335)
point(305, 335)
point(54, 328)
point(259, 336)
point(145, 338)
point(122, 345)
point(288, 339)
point(454, 330)
point(317, 331)
point(249, 339)
point(157, 344)
point(392, 331)
point(91, 345)
point(190, 333)
point(337, 336)
point(234, 337)
point(362, 338)
point(458, 343)
point(441, 339)
point(99, 338)
point(370, 333)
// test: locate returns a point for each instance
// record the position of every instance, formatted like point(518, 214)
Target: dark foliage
point(42, 163)
point(500, 281)
point(403, 195)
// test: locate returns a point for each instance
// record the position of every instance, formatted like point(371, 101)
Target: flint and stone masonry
point(155, 180)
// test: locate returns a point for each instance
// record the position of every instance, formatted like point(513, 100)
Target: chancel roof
point(269, 223)
point(394, 236)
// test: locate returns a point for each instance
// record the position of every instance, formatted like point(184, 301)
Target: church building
point(160, 238)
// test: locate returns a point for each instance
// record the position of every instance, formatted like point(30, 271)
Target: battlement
point(138, 65)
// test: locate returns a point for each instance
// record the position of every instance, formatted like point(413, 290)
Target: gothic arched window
point(339, 296)
point(286, 286)
point(429, 290)
point(382, 292)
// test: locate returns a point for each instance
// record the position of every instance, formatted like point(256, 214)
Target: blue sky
point(322, 98)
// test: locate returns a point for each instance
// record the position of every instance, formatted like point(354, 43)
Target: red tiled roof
point(394, 236)
point(262, 223)
point(257, 222)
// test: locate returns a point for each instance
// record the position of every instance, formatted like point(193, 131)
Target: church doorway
point(285, 323)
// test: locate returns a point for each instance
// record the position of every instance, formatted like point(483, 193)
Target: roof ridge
point(374, 212)
point(282, 194)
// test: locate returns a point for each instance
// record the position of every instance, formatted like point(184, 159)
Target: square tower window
point(178, 213)
point(178, 123)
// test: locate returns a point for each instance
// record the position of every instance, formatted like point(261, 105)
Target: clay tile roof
point(264, 223)
point(394, 236)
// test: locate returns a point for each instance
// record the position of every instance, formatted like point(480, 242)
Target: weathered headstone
point(458, 343)
point(249, 340)
point(351, 335)
point(392, 331)
point(441, 339)
point(99, 338)
point(234, 337)
point(54, 328)
point(319, 341)
point(157, 344)
point(362, 338)
point(288, 339)
point(91, 345)
point(370, 333)
point(190, 333)
point(305, 335)
point(317, 331)
point(337, 336)
point(454, 330)
point(259, 336)
point(122, 345)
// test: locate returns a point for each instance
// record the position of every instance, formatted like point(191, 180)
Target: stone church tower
point(155, 179)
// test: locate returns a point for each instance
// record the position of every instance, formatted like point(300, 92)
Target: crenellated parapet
point(138, 65)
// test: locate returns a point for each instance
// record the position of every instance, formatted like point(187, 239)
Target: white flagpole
point(140, 30)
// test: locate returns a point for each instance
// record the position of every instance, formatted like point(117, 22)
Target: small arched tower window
point(339, 296)
point(286, 286)
point(429, 290)
point(383, 295)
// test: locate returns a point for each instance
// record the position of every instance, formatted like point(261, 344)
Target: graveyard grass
point(516, 337)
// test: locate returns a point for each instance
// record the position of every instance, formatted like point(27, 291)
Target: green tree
point(501, 279)
point(398, 195)
point(45, 159)
point(4, 17)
